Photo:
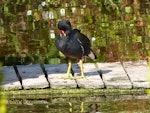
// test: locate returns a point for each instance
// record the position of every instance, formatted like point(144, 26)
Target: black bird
point(73, 44)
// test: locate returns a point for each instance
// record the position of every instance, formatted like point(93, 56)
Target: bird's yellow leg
point(81, 68)
point(82, 71)
point(68, 70)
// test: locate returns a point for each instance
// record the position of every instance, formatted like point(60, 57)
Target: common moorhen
point(73, 44)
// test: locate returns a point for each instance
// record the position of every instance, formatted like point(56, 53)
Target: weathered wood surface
point(55, 72)
point(92, 80)
point(32, 76)
point(10, 78)
point(138, 73)
point(114, 75)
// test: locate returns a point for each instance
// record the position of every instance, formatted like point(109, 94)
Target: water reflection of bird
point(73, 44)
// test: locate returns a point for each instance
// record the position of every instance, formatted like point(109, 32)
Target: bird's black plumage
point(74, 44)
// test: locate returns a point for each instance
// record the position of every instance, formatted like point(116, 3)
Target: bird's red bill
point(61, 32)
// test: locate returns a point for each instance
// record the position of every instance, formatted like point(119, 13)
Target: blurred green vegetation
point(3, 102)
point(3, 99)
point(118, 29)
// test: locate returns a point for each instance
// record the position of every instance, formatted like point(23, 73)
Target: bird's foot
point(80, 77)
point(66, 77)
point(72, 77)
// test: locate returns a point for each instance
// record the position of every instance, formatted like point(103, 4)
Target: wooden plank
point(92, 80)
point(55, 72)
point(114, 75)
point(32, 76)
point(138, 73)
point(11, 80)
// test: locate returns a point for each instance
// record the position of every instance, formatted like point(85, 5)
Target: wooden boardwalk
point(128, 75)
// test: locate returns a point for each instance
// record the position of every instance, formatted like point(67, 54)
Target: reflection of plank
point(138, 72)
point(32, 76)
point(54, 73)
point(92, 80)
point(10, 78)
point(114, 75)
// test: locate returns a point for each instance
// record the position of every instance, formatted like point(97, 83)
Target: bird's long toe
point(67, 77)
point(80, 77)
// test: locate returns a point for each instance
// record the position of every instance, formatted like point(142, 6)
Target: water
point(118, 30)
point(81, 104)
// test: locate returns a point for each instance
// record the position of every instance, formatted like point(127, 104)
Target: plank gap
point(32, 76)
point(55, 72)
point(114, 76)
point(138, 72)
point(122, 64)
point(100, 74)
point(18, 75)
point(11, 80)
point(93, 80)
point(46, 75)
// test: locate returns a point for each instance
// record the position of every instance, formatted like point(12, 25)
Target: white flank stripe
point(82, 50)
point(91, 55)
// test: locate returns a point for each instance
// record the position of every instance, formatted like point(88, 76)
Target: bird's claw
point(79, 77)
point(73, 77)
point(66, 77)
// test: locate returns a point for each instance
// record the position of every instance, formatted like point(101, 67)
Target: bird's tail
point(92, 55)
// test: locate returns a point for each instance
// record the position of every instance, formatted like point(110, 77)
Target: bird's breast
point(70, 48)
point(61, 44)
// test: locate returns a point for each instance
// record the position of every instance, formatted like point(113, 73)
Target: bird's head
point(64, 27)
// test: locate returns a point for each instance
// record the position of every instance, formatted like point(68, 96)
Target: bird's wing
point(82, 38)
